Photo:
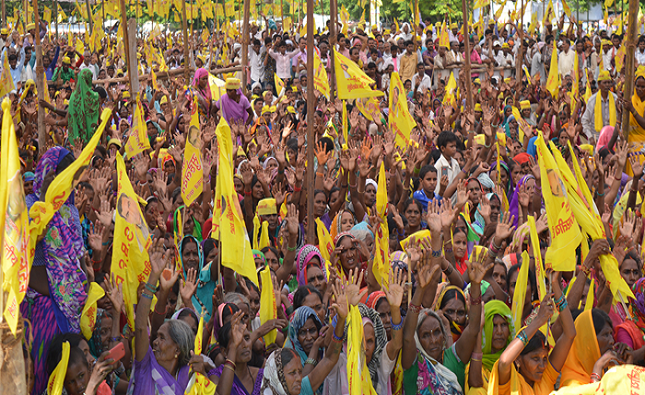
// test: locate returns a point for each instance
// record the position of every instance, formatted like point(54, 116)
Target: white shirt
point(283, 62)
point(589, 119)
point(423, 85)
point(566, 60)
point(452, 170)
point(640, 57)
point(256, 63)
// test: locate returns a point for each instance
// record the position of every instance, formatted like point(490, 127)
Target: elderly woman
point(162, 368)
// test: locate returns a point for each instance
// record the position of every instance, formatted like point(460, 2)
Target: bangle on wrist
point(296, 189)
point(476, 301)
point(595, 377)
point(311, 362)
point(396, 327)
point(412, 308)
point(247, 193)
point(292, 248)
point(336, 338)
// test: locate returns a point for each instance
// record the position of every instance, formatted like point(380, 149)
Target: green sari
point(83, 111)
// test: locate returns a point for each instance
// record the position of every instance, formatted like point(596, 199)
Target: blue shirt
point(421, 197)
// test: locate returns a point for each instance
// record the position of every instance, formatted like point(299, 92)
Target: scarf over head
point(305, 254)
point(205, 287)
point(300, 317)
point(199, 73)
point(514, 205)
point(435, 378)
point(455, 328)
point(370, 316)
point(274, 381)
point(83, 109)
point(491, 309)
point(61, 249)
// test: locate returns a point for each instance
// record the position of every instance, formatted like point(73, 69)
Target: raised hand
point(477, 268)
point(485, 209)
point(168, 277)
point(353, 287)
point(321, 154)
point(188, 287)
point(114, 292)
point(292, 220)
point(637, 167)
point(545, 310)
point(504, 229)
point(394, 292)
point(433, 218)
point(95, 238)
point(158, 257)
point(426, 271)
point(627, 226)
point(341, 304)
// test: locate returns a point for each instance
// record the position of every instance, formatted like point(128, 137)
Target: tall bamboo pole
point(245, 43)
point(333, 25)
point(630, 44)
point(469, 90)
point(40, 83)
point(186, 56)
point(126, 42)
point(56, 17)
point(311, 105)
point(4, 14)
point(89, 15)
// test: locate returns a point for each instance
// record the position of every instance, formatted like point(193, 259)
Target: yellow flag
point(138, 140)
point(345, 126)
point(344, 17)
point(444, 37)
point(47, 14)
point(57, 378)
point(523, 126)
point(565, 8)
point(517, 307)
point(533, 24)
point(587, 94)
point(256, 231)
point(553, 81)
point(229, 9)
point(608, 3)
point(619, 59)
point(88, 316)
point(279, 84)
point(587, 216)
point(268, 310)
point(286, 24)
point(565, 233)
point(237, 255)
point(451, 87)
point(79, 47)
point(400, 120)
point(325, 244)
point(14, 221)
point(381, 264)
point(264, 236)
point(130, 259)
point(321, 82)
point(351, 81)
point(155, 85)
point(198, 383)
point(359, 380)
point(369, 107)
point(59, 190)
point(217, 86)
point(499, 11)
point(6, 81)
point(192, 173)
point(548, 14)
point(576, 79)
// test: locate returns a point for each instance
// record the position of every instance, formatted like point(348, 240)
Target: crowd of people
point(442, 246)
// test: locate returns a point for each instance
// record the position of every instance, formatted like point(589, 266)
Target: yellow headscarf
point(583, 354)
point(636, 132)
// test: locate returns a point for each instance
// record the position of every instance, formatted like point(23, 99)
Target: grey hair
point(234, 297)
point(182, 335)
point(425, 313)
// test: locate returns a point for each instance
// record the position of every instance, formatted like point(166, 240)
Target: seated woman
point(497, 333)
point(304, 332)
point(538, 369)
point(162, 368)
point(593, 349)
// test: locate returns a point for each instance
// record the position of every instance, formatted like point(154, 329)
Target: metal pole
point(126, 42)
point(469, 90)
point(56, 17)
point(186, 56)
point(311, 105)
point(630, 44)
point(40, 83)
point(245, 44)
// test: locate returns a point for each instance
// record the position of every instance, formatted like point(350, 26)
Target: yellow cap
point(267, 109)
point(233, 83)
point(386, 31)
point(164, 100)
point(66, 60)
point(453, 25)
point(477, 81)
point(604, 76)
point(31, 26)
point(240, 151)
point(505, 45)
point(478, 107)
point(640, 72)
point(267, 206)
point(126, 95)
point(525, 105)
point(4, 31)
point(291, 110)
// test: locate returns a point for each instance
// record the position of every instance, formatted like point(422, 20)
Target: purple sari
point(238, 388)
point(151, 378)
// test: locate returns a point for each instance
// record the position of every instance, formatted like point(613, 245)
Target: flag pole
point(311, 105)
point(89, 15)
point(40, 83)
point(467, 75)
point(245, 44)
point(630, 46)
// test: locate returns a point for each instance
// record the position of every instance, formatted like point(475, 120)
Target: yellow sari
point(583, 354)
point(518, 386)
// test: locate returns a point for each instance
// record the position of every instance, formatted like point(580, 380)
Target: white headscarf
point(271, 384)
